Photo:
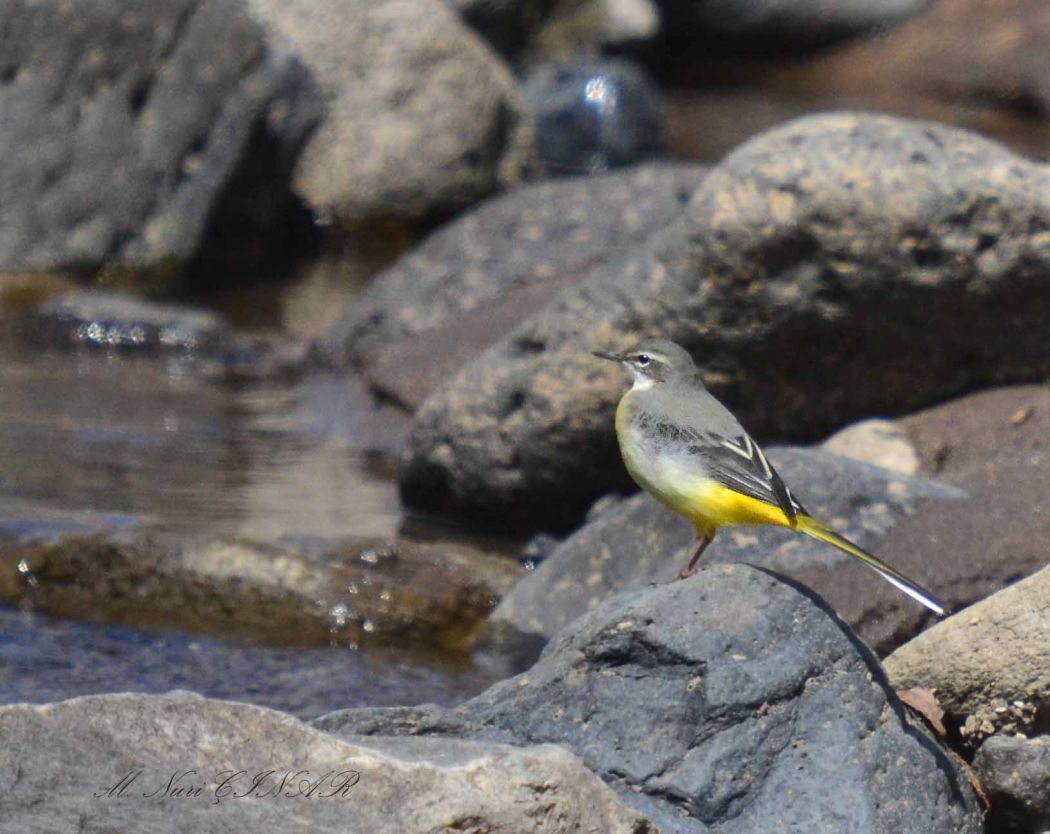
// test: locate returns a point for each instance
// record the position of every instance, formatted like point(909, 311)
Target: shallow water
point(103, 440)
point(147, 437)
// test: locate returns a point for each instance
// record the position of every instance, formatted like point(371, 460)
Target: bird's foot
point(686, 572)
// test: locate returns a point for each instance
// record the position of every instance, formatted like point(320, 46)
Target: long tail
point(818, 530)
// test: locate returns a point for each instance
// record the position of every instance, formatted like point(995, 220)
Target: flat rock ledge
point(182, 763)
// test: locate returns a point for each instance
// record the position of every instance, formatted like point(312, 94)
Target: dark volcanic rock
point(638, 542)
point(591, 116)
point(182, 763)
point(836, 244)
point(1015, 773)
point(733, 704)
point(124, 123)
point(472, 281)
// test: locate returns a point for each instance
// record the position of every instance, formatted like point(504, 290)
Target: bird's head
point(653, 360)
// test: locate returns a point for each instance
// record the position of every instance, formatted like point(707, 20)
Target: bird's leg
point(690, 569)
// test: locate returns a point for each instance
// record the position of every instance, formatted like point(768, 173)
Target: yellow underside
point(685, 489)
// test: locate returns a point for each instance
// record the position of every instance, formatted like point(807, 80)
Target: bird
point(687, 450)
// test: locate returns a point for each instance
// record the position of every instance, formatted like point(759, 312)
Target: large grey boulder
point(472, 280)
point(838, 266)
point(733, 703)
point(417, 117)
point(181, 763)
point(638, 542)
point(134, 134)
point(125, 121)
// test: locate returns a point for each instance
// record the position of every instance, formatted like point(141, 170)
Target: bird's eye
point(642, 360)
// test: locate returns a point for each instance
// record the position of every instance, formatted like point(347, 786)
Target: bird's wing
point(735, 462)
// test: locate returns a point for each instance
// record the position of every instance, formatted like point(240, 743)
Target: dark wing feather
point(737, 463)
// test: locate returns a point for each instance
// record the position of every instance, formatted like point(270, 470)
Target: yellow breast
point(682, 483)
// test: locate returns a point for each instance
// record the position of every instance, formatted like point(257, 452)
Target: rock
point(992, 445)
point(507, 25)
point(989, 661)
point(119, 322)
point(878, 442)
point(902, 245)
point(418, 118)
point(590, 116)
point(183, 763)
point(297, 591)
point(1015, 773)
point(781, 25)
point(125, 124)
point(969, 63)
point(533, 32)
point(734, 704)
point(639, 542)
point(474, 279)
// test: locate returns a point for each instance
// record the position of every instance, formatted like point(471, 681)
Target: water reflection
point(149, 438)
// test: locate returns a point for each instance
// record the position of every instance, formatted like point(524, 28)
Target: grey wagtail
point(687, 450)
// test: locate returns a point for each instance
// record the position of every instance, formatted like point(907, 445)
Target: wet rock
point(418, 118)
point(639, 542)
point(734, 704)
point(298, 591)
point(919, 252)
point(1015, 773)
point(878, 442)
point(125, 124)
point(470, 282)
point(138, 742)
point(987, 662)
point(969, 63)
point(588, 117)
point(120, 322)
point(752, 24)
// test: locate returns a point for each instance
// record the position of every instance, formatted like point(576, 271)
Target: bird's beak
point(608, 354)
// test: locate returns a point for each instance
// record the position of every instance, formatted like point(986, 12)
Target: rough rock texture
point(298, 591)
point(1015, 774)
point(919, 252)
point(998, 649)
point(65, 765)
point(125, 123)
point(638, 542)
point(733, 704)
point(471, 281)
point(417, 117)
